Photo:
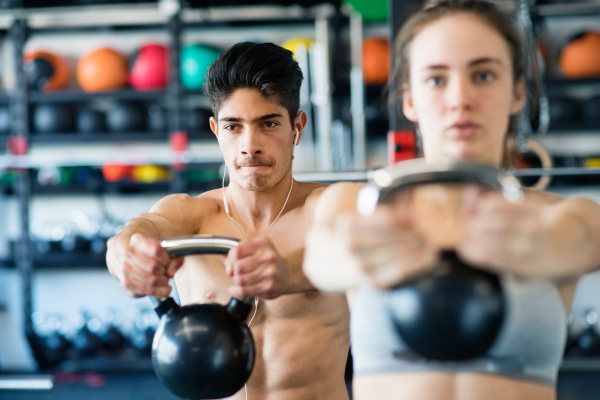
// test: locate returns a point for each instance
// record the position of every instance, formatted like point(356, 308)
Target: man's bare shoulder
point(337, 199)
point(182, 201)
point(312, 191)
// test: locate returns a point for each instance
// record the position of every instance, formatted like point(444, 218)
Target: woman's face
point(461, 90)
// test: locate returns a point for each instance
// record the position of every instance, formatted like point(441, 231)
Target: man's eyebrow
point(483, 60)
point(231, 119)
point(257, 119)
point(265, 117)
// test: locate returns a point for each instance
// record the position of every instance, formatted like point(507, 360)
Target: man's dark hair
point(263, 66)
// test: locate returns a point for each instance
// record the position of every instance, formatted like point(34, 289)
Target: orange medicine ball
point(376, 60)
point(60, 77)
point(102, 69)
point(581, 57)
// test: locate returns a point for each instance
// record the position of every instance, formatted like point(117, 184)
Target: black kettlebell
point(202, 351)
point(456, 312)
point(453, 314)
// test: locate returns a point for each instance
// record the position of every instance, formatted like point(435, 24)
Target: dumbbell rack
point(174, 94)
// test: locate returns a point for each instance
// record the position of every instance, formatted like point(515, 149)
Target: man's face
point(256, 137)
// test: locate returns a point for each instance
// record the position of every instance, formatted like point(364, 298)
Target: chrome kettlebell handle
point(195, 245)
point(387, 181)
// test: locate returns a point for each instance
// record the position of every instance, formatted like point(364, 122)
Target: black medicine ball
point(196, 120)
point(157, 119)
point(591, 109)
point(52, 118)
point(563, 109)
point(4, 120)
point(125, 117)
point(90, 121)
point(38, 71)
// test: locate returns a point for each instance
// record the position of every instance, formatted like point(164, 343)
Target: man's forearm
point(136, 225)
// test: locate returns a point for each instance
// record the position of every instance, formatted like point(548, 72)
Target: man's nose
point(251, 142)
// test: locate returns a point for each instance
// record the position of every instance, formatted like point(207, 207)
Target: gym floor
point(133, 386)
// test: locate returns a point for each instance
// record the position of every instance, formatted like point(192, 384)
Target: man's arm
point(135, 256)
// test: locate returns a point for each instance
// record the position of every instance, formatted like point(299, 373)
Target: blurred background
point(102, 114)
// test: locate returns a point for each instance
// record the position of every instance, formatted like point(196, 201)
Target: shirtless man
point(301, 338)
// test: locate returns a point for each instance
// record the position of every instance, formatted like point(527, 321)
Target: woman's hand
point(385, 245)
point(503, 236)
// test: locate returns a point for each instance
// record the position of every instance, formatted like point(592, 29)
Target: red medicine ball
point(150, 68)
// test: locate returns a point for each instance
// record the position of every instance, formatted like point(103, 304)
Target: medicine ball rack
point(20, 100)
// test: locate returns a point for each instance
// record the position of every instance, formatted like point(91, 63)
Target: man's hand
point(257, 269)
point(386, 246)
point(144, 267)
point(503, 236)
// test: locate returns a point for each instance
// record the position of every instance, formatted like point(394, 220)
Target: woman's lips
point(463, 130)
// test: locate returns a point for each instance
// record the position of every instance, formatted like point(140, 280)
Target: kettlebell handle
point(195, 245)
point(198, 244)
point(386, 182)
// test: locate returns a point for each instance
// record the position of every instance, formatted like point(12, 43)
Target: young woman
point(462, 79)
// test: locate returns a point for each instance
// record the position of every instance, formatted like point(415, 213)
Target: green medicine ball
point(195, 60)
point(371, 10)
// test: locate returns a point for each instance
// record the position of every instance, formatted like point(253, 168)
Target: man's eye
point(484, 77)
point(230, 127)
point(435, 81)
point(270, 124)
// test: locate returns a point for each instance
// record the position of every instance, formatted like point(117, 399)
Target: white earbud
point(223, 186)
point(295, 141)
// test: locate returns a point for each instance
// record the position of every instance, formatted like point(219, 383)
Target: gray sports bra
point(529, 345)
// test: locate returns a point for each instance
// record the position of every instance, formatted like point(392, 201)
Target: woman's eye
point(435, 81)
point(484, 77)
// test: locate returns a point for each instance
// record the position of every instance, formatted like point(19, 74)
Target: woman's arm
point(545, 236)
point(327, 263)
point(344, 250)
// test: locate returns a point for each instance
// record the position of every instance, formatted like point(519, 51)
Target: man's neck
point(256, 210)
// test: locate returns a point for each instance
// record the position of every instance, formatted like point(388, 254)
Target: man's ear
point(299, 124)
point(408, 107)
point(213, 126)
point(519, 96)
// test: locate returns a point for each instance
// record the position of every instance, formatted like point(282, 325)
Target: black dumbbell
point(589, 340)
point(111, 337)
point(142, 334)
point(86, 340)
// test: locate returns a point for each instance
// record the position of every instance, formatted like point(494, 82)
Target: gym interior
point(102, 113)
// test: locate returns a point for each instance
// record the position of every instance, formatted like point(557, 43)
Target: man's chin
point(255, 184)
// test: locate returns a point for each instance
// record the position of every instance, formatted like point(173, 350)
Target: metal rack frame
point(21, 98)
